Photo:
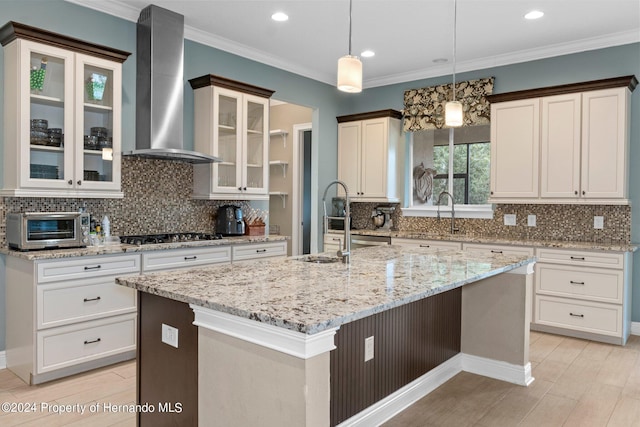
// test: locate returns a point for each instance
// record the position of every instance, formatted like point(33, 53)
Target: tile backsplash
point(553, 222)
point(157, 199)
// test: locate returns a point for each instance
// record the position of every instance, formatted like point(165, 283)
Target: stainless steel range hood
point(160, 88)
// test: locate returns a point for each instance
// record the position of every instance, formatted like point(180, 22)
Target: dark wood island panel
point(409, 341)
point(167, 376)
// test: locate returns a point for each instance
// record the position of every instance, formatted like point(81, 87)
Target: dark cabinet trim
point(624, 81)
point(15, 30)
point(394, 114)
point(212, 80)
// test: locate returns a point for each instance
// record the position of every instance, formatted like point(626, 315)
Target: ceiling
point(406, 35)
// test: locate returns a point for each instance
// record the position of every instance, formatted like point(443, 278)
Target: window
point(460, 167)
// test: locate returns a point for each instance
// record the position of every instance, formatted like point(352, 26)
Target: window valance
point(424, 108)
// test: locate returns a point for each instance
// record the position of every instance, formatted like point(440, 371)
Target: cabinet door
point(349, 137)
point(604, 143)
point(45, 114)
point(255, 146)
point(515, 141)
point(98, 100)
point(560, 146)
point(374, 158)
point(227, 137)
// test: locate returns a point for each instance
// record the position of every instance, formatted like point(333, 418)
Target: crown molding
point(121, 10)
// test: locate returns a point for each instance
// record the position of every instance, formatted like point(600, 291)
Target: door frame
point(297, 196)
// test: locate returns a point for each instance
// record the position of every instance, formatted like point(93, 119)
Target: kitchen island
point(289, 342)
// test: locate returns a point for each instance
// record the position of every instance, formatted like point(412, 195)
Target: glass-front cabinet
point(62, 138)
point(231, 121)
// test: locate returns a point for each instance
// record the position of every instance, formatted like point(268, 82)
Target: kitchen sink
point(319, 259)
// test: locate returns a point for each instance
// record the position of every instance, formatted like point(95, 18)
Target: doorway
point(301, 200)
point(305, 196)
point(291, 177)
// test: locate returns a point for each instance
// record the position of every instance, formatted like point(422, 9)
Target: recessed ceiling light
point(534, 14)
point(367, 53)
point(280, 17)
point(440, 60)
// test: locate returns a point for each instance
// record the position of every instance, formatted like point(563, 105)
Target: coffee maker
point(229, 221)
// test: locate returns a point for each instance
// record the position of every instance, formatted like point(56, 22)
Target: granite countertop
point(311, 297)
point(468, 238)
point(125, 248)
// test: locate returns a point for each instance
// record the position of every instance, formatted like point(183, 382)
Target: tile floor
point(578, 383)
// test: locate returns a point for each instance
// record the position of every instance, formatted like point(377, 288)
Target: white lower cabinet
point(426, 244)
point(185, 258)
point(66, 316)
point(585, 294)
point(498, 249)
point(257, 251)
point(70, 345)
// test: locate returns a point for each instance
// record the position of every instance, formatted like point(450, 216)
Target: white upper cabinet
point(515, 144)
point(63, 109)
point(231, 122)
point(369, 152)
point(605, 143)
point(560, 146)
point(572, 147)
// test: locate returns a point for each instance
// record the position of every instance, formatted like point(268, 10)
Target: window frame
point(484, 211)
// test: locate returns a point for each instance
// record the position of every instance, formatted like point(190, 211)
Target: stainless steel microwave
point(47, 230)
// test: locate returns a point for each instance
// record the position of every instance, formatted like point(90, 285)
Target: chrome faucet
point(453, 210)
point(345, 250)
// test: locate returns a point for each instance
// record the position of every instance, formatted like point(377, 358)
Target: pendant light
point(453, 109)
point(350, 68)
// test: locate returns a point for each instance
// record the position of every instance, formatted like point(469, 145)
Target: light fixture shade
point(453, 114)
point(350, 74)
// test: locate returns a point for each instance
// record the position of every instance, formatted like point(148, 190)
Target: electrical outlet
point(510, 219)
point(598, 222)
point(368, 349)
point(170, 335)
point(531, 220)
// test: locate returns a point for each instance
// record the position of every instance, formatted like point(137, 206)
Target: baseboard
point(498, 370)
point(396, 402)
point(635, 328)
point(3, 359)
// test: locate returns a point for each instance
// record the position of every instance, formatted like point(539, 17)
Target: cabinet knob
point(79, 182)
point(70, 182)
point(244, 188)
point(492, 193)
point(584, 192)
point(576, 192)
point(240, 188)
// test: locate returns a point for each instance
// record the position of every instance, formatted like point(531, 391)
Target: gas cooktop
point(146, 239)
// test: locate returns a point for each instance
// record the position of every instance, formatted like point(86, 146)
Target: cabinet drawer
point(581, 258)
point(579, 315)
point(87, 267)
point(596, 284)
point(259, 250)
point(185, 258)
point(427, 244)
point(60, 304)
point(71, 345)
point(500, 249)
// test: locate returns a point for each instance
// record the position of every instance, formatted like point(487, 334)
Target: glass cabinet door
point(256, 154)
point(227, 123)
point(47, 130)
point(97, 123)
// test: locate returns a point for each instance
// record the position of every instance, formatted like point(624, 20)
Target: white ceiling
point(406, 35)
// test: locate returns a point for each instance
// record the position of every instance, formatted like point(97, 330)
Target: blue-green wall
point(76, 21)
